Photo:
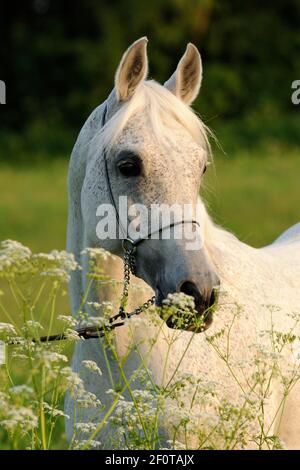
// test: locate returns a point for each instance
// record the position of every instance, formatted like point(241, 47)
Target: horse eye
point(129, 168)
point(204, 169)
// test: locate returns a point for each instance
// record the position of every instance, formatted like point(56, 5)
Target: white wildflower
point(114, 393)
point(68, 320)
point(90, 444)
point(7, 329)
point(97, 253)
point(95, 305)
point(21, 390)
point(86, 399)
point(179, 300)
point(32, 325)
point(108, 307)
point(57, 264)
point(95, 322)
point(86, 428)
point(92, 366)
point(54, 412)
point(21, 417)
point(18, 355)
point(72, 335)
point(71, 378)
point(49, 357)
point(15, 259)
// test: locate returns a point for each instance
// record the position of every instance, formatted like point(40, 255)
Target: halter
point(128, 244)
point(129, 247)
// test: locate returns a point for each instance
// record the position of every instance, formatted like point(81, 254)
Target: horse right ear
point(132, 69)
point(186, 80)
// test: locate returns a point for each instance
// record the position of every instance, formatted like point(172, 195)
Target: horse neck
point(213, 234)
point(223, 247)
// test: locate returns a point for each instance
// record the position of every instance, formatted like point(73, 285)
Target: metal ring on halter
point(128, 246)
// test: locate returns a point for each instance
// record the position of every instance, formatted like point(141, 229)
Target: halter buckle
point(128, 246)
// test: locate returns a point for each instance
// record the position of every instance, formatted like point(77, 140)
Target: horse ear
point(186, 80)
point(132, 69)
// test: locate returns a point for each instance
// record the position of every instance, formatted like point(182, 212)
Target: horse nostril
point(189, 288)
point(201, 303)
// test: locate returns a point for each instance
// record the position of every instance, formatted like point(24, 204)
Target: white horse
point(157, 151)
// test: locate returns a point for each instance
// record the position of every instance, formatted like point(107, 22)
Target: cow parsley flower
point(72, 335)
point(54, 412)
point(49, 357)
point(19, 418)
point(92, 366)
point(97, 253)
point(23, 390)
point(31, 325)
point(86, 428)
point(7, 329)
point(57, 264)
point(15, 259)
point(68, 320)
point(90, 444)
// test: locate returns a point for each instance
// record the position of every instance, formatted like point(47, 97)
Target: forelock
point(164, 111)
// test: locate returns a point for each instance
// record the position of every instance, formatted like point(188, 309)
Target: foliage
point(31, 412)
point(60, 58)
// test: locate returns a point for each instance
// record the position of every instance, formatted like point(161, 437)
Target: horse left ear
point(186, 80)
point(132, 69)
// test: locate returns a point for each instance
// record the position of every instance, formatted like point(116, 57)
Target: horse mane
point(163, 110)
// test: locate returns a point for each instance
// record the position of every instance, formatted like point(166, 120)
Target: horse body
point(251, 278)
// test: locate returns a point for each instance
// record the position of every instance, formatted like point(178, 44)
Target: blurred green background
point(58, 60)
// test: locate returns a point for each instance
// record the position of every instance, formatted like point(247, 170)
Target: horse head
point(153, 149)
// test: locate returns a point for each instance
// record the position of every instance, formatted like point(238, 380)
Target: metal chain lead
point(129, 267)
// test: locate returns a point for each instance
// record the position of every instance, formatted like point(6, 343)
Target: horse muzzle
point(204, 291)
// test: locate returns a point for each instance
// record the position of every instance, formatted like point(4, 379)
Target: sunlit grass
point(255, 195)
point(33, 204)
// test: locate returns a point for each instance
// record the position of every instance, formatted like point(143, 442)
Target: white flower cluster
point(54, 412)
point(86, 428)
point(17, 260)
point(86, 443)
point(50, 357)
point(7, 330)
point(92, 366)
point(68, 320)
point(180, 300)
point(97, 253)
point(57, 264)
point(16, 418)
point(75, 386)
